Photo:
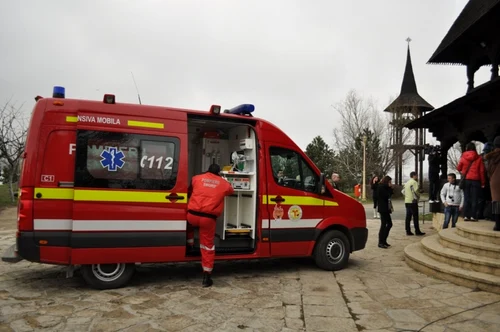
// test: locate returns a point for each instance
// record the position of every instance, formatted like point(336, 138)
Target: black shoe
point(387, 244)
point(409, 233)
point(207, 280)
point(420, 233)
point(383, 246)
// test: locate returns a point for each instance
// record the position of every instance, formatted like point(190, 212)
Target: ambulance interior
point(233, 147)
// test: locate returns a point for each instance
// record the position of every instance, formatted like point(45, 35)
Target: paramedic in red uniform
point(206, 204)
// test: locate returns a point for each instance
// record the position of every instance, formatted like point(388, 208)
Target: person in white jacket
point(453, 199)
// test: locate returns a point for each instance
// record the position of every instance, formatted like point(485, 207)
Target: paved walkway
point(377, 292)
point(399, 209)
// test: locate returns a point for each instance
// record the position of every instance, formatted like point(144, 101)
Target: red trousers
point(207, 234)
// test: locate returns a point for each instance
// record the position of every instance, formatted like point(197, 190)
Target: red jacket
point(208, 192)
point(357, 190)
point(476, 171)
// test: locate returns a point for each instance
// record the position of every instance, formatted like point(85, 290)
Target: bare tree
point(13, 128)
point(357, 117)
point(455, 152)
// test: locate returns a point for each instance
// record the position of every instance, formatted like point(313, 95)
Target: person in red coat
point(206, 204)
point(357, 191)
point(472, 169)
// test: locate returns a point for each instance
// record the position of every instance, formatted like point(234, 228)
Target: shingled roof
point(409, 96)
point(478, 19)
point(481, 103)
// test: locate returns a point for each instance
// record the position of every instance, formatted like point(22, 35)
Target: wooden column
point(471, 71)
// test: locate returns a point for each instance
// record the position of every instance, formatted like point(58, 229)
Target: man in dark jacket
point(434, 167)
point(484, 205)
point(493, 159)
point(335, 181)
point(385, 192)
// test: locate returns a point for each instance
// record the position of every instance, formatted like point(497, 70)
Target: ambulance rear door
point(130, 190)
point(53, 201)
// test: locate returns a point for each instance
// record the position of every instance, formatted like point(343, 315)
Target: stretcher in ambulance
point(104, 187)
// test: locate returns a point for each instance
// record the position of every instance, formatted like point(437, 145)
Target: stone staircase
point(468, 255)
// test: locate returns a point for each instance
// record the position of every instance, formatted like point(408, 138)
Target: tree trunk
point(11, 186)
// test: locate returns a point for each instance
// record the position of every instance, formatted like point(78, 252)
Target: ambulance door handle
point(66, 184)
point(277, 199)
point(174, 196)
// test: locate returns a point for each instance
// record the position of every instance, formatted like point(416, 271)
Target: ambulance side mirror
point(320, 189)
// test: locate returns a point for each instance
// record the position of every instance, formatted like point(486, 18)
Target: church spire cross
point(409, 97)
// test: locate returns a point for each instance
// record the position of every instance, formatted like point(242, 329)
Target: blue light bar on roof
point(242, 109)
point(58, 92)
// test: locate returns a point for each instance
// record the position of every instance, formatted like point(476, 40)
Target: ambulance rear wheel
point(107, 276)
point(332, 251)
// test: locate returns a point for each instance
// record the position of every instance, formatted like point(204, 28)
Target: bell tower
point(408, 106)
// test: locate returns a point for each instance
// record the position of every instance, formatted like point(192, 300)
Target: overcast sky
point(291, 59)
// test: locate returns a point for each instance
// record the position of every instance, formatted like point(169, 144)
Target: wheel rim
point(335, 251)
point(108, 272)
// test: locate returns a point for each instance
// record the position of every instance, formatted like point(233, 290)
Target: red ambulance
point(104, 187)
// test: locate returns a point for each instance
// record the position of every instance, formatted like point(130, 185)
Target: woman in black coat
point(385, 192)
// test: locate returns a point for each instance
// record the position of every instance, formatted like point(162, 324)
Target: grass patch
point(368, 200)
point(426, 217)
point(5, 197)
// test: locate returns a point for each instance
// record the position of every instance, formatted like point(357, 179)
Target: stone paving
point(377, 292)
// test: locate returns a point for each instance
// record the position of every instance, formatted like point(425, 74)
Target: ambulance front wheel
point(332, 251)
point(107, 276)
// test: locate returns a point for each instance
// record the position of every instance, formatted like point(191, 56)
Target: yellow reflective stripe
point(143, 124)
point(107, 195)
point(125, 196)
point(53, 193)
point(130, 123)
point(299, 200)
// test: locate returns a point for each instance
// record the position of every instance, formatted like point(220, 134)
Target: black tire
point(107, 276)
point(332, 251)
